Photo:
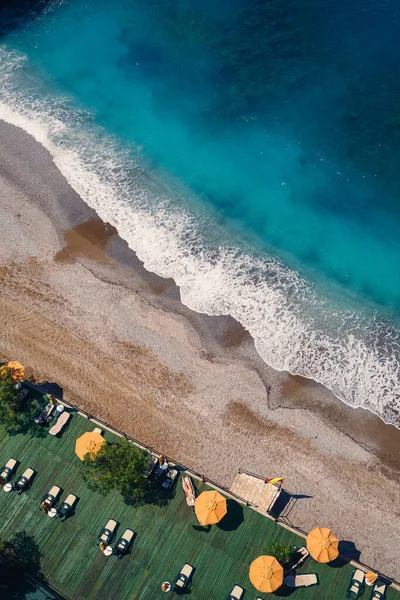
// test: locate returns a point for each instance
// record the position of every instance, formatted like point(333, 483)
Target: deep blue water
point(275, 125)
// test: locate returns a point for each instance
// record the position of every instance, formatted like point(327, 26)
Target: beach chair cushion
point(128, 535)
point(379, 591)
point(125, 539)
point(356, 585)
point(28, 473)
point(25, 478)
point(12, 463)
point(302, 580)
point(111, 525)
point(8, 469)
point(70, 500)
point(124, 542)
point(170, 478)
point(108, 530)
point(55, 490)
point(66, 506)
point(184, 575)
point(236, 593)
point(61, 422)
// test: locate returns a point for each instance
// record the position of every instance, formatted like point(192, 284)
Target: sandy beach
point(78, 308)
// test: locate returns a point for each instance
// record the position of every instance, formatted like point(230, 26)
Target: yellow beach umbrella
point(91, 442)
point(17, 371)
point(266, 574)
point(322, 544)
point(210, 507)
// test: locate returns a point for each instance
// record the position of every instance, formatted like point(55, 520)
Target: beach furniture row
point(357, 586)
point(107, 536)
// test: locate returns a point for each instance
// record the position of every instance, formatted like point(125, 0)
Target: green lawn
point(167, 537)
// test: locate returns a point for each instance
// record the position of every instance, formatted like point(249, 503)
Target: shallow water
point(250, 150)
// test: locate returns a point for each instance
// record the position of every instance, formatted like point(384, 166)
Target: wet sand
point(78, 308)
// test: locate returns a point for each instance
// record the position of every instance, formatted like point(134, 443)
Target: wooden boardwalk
point(167, 537)
point(255, 490)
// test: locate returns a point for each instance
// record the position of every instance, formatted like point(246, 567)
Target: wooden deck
point(255, 490)
point(167, 537)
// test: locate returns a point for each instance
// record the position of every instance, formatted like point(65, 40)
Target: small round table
point(52, 513)
point(8, 487)
point(108, 551)
point(166, 586)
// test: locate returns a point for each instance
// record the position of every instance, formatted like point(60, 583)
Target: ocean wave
point(294, 330)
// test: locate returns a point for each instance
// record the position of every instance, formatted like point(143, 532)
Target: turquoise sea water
point(249, 149)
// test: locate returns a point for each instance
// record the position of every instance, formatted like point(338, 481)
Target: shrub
point(282, 552)
point(16, 412)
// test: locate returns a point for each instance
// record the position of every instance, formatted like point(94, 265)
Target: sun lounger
point(23, 482)
point(8, 470)
point(124, 542)
point(302, 580)
point(98, 430)
point(170, 478)
point(379, 591)
point(66, 507)
point(356, 585)
point(152, 466)
point(107, 534)
point(46, 414)
point(60, 424)
point(301, 555)
point(189, 491)
point(50, 499)
point(236, 593)
point(184, 576)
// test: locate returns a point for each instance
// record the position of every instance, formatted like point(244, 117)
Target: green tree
point(18, 556)
point(17, 413)
point(118, 466)
point(282, 552)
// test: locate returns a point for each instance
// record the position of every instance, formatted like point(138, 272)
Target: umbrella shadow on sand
point(53, 388)
point(347, 552)
point(234, 516)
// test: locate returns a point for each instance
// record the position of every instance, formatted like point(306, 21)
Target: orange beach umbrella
point(266, 574)
point(322, 544)
point(17, 371)
point(91, 442)
point(210, 507)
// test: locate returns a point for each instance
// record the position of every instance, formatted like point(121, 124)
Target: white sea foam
point(291, 327)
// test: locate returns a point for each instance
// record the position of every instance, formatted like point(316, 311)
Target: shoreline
point(79, 308)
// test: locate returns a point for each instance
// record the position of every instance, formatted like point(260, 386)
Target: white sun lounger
point(236, 593)
point(357, 582)
point(66, 507)
point(70, 500)
point(303, 580)
point(8, 470)
point(379, 591)
point(302, 553)
point(184, 576)
point(98, 430)
point(124, 542)
point(23, 480)
point(107, 533)
point(51, 497)
point(61, 422)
